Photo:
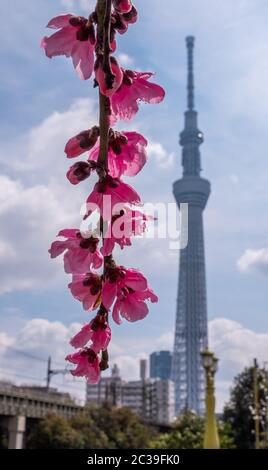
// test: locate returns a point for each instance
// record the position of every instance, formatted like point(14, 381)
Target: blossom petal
point(57, 248)
point(135, 280)
point(83, 59)
point(60, 43)
point(108, 294)
point(60, 21)
point(116, 313)
point(68, 233)
point(83, 337)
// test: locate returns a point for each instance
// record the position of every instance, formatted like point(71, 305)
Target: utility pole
point(51, 372)
point(48, 372)
point(256, 404)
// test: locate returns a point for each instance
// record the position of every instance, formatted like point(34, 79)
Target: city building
point(152, 399)
point(108, 390)
point(160, 365)
point(191, 331)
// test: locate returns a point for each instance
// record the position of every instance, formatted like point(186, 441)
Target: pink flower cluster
point(123, 292)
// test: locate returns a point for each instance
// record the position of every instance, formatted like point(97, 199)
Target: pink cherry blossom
point(135, 87)
point(82, 142)
point(79, 172)
point(97, 331)
point(130, 289)
point(81, 254)
point(118, 278)
point(123, 226)
point(101, 77)
point(127, 154)
point(110, 192)
point(88, 365)
point(76, 39)
point(122, 6)
point(131, 305)
point(87, 289)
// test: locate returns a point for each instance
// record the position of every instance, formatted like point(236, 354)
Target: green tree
point(54, 432)
point(239, 412)
point(93, 437)
point(97, 427)
point(122, 427)
point(188, 433)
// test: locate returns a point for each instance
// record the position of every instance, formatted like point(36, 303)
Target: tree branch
point(104, 8)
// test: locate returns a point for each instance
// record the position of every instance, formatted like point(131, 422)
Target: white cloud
point(236, 347)
point(30, 218)
point(85, 5)
point(39, 200)
point(23, 356)
point(254, 260)
point(42, 336)
point(5, 341)
point(163, 158)
point(165, 342)
point(125, 60)
point(128, 366)
point(234, 178)
point(42, 147)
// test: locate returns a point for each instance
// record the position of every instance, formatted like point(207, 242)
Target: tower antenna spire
point(190, 81)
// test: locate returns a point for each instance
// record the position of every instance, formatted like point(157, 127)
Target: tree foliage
point(54, 432)
point(98, 427)
point(122, 427)
point(188, 433)
point(239, 412)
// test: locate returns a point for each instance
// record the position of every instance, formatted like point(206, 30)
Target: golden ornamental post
point(210, 363)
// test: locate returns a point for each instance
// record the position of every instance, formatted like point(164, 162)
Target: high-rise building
point(152, 399)
point(160, 365)
point(191, 333)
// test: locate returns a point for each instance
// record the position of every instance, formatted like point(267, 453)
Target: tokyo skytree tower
point(191, 329)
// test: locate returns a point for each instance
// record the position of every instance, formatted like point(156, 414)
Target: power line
point(15, 374)
point(21, 375)
point(27, 354)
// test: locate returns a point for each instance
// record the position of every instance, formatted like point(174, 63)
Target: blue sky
point(44, 103)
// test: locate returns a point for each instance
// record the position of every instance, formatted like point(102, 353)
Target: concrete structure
point(16, 430)
point(151, 399)
point(143, 369)
point(191, 315)
point(160, 365)
point(17, 404)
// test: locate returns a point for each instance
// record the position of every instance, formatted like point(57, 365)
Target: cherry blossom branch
point(122, 291)
point(109, 76)
point(104, 8)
